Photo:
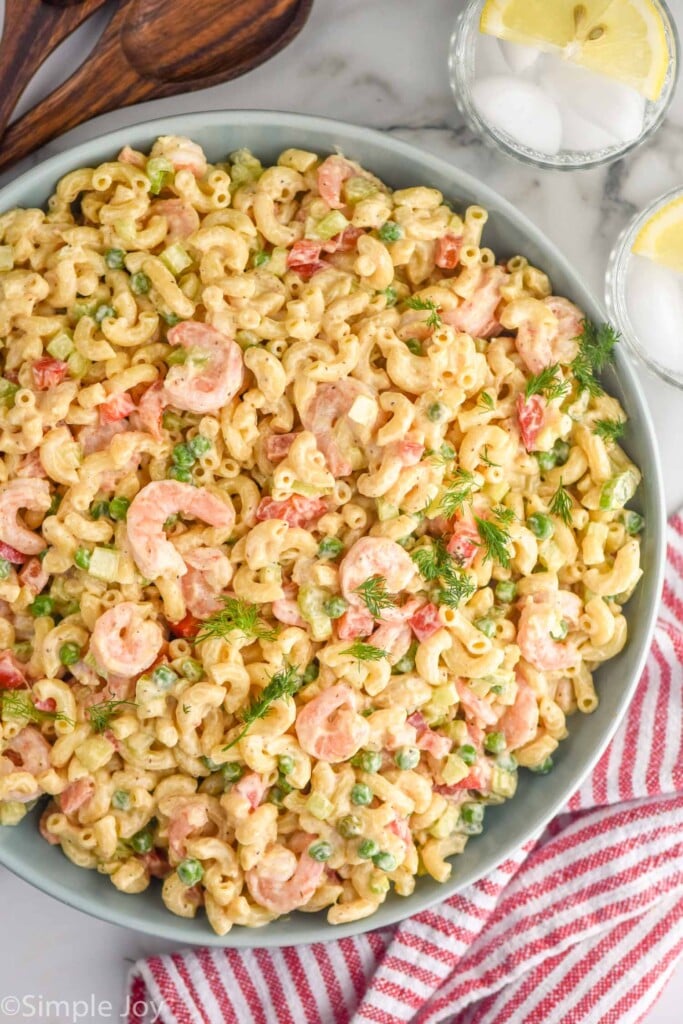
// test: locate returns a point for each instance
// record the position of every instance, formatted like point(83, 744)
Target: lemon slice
point(661, 238)
point(623, 39)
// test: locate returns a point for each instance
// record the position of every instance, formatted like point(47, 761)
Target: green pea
point(330, 547)
point(436, 411)
point(260, 258)
point(390, 295)
point(407, 662)
point(367, 849)
point(486, 626)
point(140, 283)
point(541, 525)
point(367, 760)
point(277, 794)
point(561, 449)
point(407, 758)
point(494, 742)
point(164, 677)
point(231, 771)
point(384, 861)
point(191, 669)
point(42, 605)
point(633, 522)
point(311, 672)
point(544, 767)
point(209, 764)
point(99, 509)
point(506, 591)
point(182, 456)
point(472, 813)
point(286, 764)
point(181, 474)
point(546, 461)
point(104, 312)
point(69, 654)
point(120, 800)
point(335, 607)
point(414, 345)
point(199, 445)
point(142, 841)
point(468, 754)
point(320, 851)
point(171, 421)
point(171, 319)
point(114, 258)
point(118, 509)
point(190, 871)
point(390, 232)
point(82, 558)
point(5, 569)
point(350, 826)
point(361, 795)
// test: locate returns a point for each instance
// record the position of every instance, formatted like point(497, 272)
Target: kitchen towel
point(582, 925)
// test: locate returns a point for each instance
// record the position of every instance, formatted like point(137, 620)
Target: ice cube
point(654, 297)
point(521, 109)
point(489, 59)
point(611, 105)
point(578, 133)
point(519, 58)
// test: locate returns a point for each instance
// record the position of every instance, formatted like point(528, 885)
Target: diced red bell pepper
point(11, 554)
point(448, 251)
point(425, 622)
point(116, 408)
point(304, 258)
point(464, 543)
point(11, 672)
point(295, 511)
point(48, 372)
point(185, 628)
point(530, 413)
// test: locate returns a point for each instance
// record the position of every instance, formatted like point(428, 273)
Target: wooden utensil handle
point(32, 30)
point(105, 81)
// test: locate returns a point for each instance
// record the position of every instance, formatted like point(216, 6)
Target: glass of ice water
point(545, 110)
point(645, 300)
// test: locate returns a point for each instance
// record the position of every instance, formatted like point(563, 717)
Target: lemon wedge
point(623, 39)
point(661, 237)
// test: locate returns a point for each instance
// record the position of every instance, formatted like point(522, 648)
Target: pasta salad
point(312, 528)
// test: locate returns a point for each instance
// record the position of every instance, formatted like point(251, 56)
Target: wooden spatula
point(32, 30)
point(155, 48)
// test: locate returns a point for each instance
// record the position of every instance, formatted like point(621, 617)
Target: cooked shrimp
point(183, 154)
point(208, 573)
point(182, 220)
point(150, 409)
point(154, 554)
point(286, 609)
point(212, 374)
point(520, 722)
point(332, 173)
point(280, 883)
point(76, 794)
point(537, 624)
point(433, 742)
point(546, 331)
point(29, 493)
point(123, 641)
point(97, 436)
point(376, 556)
point(329, 727)
point(477, 315)
point(326, 416)
point(29, 751)
point(475, 707)
point(393, 637)
point(251, 786)
point(185, 819)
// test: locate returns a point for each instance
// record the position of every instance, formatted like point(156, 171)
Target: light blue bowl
point(267, 133)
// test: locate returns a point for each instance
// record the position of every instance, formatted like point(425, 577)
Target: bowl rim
point(176, 929)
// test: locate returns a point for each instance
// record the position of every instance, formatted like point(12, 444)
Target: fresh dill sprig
point(547, 383)
point(504, 515)
point(596, 350)
point(609, 430)
point(432, 561)
point(435, 563)
point(458, 491)
point(18, 704)
point(494, 540)
point(365, 652)
point(415, 302)
point(457, 587)
point(484, 456)
point(375, 595)
point(236, 616)
point(443, 457)
point(485, 401)
point(100, 714)
point(284, 683)
point(561, 505)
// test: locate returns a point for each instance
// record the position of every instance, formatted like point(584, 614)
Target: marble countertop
point(380, 63)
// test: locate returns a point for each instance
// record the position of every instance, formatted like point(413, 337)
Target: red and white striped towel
point(583, 925)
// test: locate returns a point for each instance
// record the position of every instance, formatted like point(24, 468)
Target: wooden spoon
point(32, 30)
point(155, 48)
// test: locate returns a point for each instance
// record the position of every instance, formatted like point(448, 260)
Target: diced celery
point(311, 600)
point(61, 346)
point(104, 564)
point(12, 812)
point(176, 258)
point(457, 731)
point(319, 806)
point(357, 188)
point(454, 770)
point(245, 168)
point(447, 823)
point(7, 392)
point(618, 490)
point(503, 782)
point(385, 510)
point(80, 309)
point(6, 257)
point(95, 752)
point(78, 365)
point(159, 170)
point(307, 490)
point(126, 231)
point(278, 262)
point(444, 696)
point(332, 224)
